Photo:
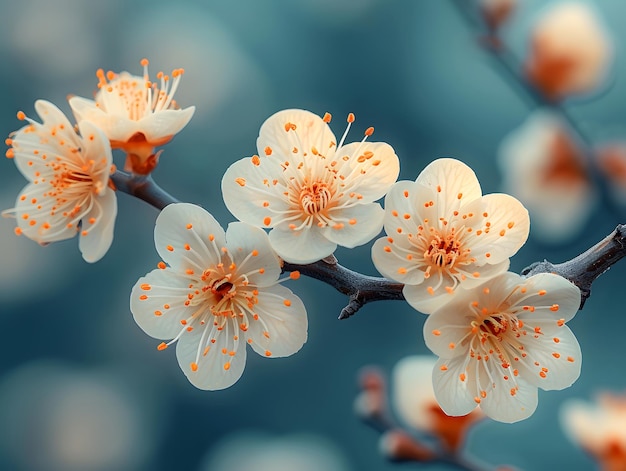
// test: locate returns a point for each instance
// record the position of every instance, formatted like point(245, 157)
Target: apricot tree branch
point(584, 269)
point(362, 289)
point(142, 187)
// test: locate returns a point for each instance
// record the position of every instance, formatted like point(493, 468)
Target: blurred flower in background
point(258, 451)
point(414, 401)
point(59, 418)
point(570, 52)
point(544, 166)
point(599, 428)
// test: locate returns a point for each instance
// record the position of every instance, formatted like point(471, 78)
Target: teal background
point(413, 70)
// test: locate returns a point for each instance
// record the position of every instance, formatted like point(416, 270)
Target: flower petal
point(188, 237)
point(447, 328)
point(372, 166)
point(552, 297)
point(355, 225)
point(390, 260)
point(500, 226)
point(220, 366)
point(305, 246)
point(157, 303)
point(165, 123)
point(510, 401)
point(430, 295)
point(454, 386)
point(300, 129)
point(553, 360)
point(97, 227)
point(252, 253)
point(281, 327)
point(454, 181)
point(253, 190)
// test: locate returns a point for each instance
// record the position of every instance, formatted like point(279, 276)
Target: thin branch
point(142, 187)
point(584, 269)
point(362, 289)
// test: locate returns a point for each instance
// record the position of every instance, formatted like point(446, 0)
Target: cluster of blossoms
point(70, 191)
point(499, 336)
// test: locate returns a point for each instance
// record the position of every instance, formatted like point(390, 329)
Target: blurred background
point(83, 388)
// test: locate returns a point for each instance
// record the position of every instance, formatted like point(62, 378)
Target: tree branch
point(142, 187)
point(362, 289)
point(584, 269)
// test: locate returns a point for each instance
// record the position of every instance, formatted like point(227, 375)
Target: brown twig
point(362, 289)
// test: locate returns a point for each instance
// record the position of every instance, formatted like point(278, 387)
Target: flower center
point(223, 288)
point(315, 198)
point(443, 251)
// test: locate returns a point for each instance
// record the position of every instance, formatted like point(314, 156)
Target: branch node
point(356, 302)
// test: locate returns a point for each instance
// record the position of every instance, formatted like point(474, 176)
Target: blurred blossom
point(221, 79)
point(415, 402)
point(544, 167)
point(56, 418)
point(570, 51)
point(255, 451)
point(611, 161)
point(68, 193)
point(599, 428)
point(501, 341)
point(220, 293)
point(496, 12)
point(314, 192)
point(135, 113)
point(444, 236)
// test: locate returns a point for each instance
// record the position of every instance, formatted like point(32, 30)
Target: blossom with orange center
point(313, 193)
point(544, 166)
point(443, 235)
point(69, 189)
point(599, 428)
point(220, 292)
point(136, 114)
point(570, 52)
point(500, 341)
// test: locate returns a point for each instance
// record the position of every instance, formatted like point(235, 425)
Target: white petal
point(305, 246)
point(157, 303)
point(454, 181)
point(510, 400)
point(553, 359)
point(32, 142)
point(390, 260)
point(253, 190)
point(370, 170)
point(446, 328)
point(183, 225)
point(58, 223)
point(552, 296)
point(311, 134)
point(281, 329)
point(96, 152)
point(165, 123)
point(86, 110)
point(356, 225)
point(455, 395)
point(402, 211)
point(500, 226)
point(96, 238)
point(427, 298)
point(223, 363)
point(244, 241)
